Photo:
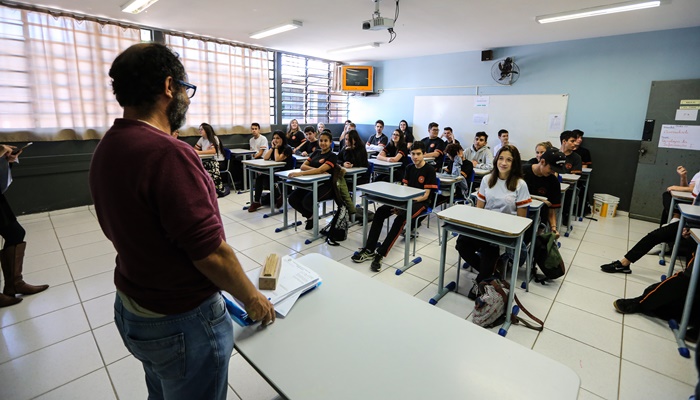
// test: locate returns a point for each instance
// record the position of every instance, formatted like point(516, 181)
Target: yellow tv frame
point(370, 75)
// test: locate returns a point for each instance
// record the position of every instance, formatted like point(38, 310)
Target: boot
point(6, 301)
point(12, 258)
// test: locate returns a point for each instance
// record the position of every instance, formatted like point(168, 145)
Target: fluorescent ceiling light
point(595, 11)
point(276, 29)
point(355, 48)
point(136, 6)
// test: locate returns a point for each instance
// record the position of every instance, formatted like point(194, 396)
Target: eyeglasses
point(190, 89)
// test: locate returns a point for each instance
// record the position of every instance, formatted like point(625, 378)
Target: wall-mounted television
point(357, 78)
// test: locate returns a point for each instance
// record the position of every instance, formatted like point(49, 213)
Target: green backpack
point(547, 256)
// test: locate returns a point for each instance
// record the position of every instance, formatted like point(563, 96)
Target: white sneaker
point(655, 250)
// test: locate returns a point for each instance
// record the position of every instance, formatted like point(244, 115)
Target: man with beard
point(157, 205)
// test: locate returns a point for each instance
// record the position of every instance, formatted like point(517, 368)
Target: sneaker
point(309, 224)
point(655, 250)
point(362, 256)
point(254, 206)
point(376, 263)
point(615, 266)
point(626, 306)
point(414, 234)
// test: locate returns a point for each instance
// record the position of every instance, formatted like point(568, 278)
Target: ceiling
point(423, 27)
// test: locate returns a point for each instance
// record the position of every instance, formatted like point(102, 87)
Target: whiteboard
point(685, 137)
point(529, 119)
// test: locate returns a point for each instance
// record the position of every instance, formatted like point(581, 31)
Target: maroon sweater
point(158, 206)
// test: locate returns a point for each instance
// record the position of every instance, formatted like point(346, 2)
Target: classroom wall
point(608, 81)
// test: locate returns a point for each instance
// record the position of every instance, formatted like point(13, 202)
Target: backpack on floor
point(490, 305)
point(547, 256)
point(337, 229)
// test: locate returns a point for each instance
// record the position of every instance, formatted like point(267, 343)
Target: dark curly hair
point(139, 72)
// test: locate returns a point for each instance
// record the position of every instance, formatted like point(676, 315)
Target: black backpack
point(337, 229)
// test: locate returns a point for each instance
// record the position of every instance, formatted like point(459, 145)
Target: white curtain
point(233, 84)
point(54, 82)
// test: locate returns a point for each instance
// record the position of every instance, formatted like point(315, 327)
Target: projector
point(378, 24)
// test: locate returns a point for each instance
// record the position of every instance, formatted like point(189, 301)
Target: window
point(307, 91)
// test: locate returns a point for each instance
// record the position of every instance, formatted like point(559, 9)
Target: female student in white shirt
point(209, 144)
point(504, 191)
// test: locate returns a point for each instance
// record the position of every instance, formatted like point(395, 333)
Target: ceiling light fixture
point(595, 11)
point(355, 48)
point(276, 29)
point(136, 6)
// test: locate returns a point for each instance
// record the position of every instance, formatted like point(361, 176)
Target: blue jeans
point(185, 356)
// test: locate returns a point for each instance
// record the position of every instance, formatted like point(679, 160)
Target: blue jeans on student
point(185, 356)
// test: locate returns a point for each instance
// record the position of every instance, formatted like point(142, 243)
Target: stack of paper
point(295, 279)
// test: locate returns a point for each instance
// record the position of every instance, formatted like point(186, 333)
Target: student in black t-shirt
point(539, 150)
point(541, 181)
point(582, 151)
point(354, 155)
point(456, 167)
point(377, 141)
point(295, 136)
point(321, 161)
point(310, 144)
point(448, 136)
point(407, 134)
point(418, 175)
point(395, 151)
point(278, 151)
point(434, 146)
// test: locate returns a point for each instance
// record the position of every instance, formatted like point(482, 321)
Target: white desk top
point(538, 198)
point(242, 151)
point(391, 191)
point(206, 156)
point(355, 170)
point(564, 187)
point(300, 157)
point(695, 233)
point(263, 163)
point(486, 220)
point(587, 170)
point(303, 179)
point(682, 195)
point(481, 172)
point(570, 177)
point(357, 338)
point(384, 163)
point(448, 179)
point(689, 210)
point(535, 204)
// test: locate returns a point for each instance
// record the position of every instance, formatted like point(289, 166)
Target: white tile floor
point(62, 344)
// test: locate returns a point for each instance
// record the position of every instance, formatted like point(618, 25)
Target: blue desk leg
point(364, 221)
point(273, 211)
point(315, 199)
point(662, 255)
point(511, 294)
point(574, 196)
point(250, 174)
point(531, 253)
point(285, 222)
point(674, 253)
point(407, 250)
point(687, 308)
point(442, 291)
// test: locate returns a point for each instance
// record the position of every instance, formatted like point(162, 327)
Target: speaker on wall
point(487, 55)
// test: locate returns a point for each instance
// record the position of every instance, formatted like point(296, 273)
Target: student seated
point(258, 143)
point(504, 191)
point(539, 150)
point(418, 175)
point(503, 136)
point(377, 141)
point(448, 136)
point(568, 145)
point(295, 136)
point(407, 134)
point(585, 154)
point(279, 151)
point(480, 154)
point(457, 167)
point(209, 144)
point(321, 161)
point(434, 146)
point(683, 186)
point(354, 155)
point(542, 181)
point(395, 151)
point(310, 144)
point(347, 128)
point(665, 234)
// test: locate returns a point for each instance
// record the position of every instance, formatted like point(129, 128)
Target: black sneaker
point(362, 256)
point(615, 266)
point(626, 306)
point(309, 224)
point(376, 263)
